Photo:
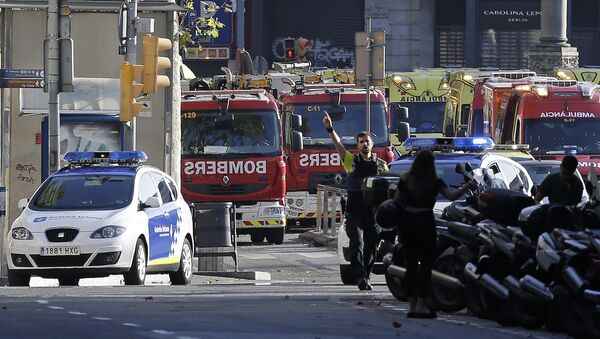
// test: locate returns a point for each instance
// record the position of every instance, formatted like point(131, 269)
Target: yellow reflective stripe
point(164, 261)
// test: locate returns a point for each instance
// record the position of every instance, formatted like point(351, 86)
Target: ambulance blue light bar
point(449, 144)
point(129, 157)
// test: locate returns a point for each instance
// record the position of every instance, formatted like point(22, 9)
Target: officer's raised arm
point(333, 135)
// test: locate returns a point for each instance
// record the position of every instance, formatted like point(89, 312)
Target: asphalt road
point(304, 299)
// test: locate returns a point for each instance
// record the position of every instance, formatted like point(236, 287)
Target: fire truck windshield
point(250, 132)
point(563, 136)
point(347, 124)
point(423, 117)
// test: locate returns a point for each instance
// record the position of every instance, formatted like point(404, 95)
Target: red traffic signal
point(289, 45)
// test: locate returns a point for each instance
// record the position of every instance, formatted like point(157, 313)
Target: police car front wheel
point(137, 273)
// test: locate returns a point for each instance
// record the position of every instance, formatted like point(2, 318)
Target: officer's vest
point(361, 169)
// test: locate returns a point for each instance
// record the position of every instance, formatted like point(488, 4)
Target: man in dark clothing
point(358, 218)
point(563, 187)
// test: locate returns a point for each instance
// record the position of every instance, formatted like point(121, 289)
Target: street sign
point(21, 73)
point(21, 78)
point(21, 83)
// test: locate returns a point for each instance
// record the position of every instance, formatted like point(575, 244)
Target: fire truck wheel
point(275, 236)
point(257, 236)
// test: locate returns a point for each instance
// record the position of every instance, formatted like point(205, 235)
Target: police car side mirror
point(23, 203)
point(297, 141)
point(151, 202)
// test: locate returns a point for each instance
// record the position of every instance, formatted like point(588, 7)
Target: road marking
point(42, 301)
point(258, 256)
point(56, 307)
point(131, 324)
point(101, 318)
point(77, 313)
point(317, 255)
point(162, 332)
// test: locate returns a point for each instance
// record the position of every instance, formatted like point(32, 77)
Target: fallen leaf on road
point(3, 307)
point(357, 302)
point(149, 298)
point(397, 324)
point(286, 297)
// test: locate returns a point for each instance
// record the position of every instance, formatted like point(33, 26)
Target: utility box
point(214, 229)
point(213, 224)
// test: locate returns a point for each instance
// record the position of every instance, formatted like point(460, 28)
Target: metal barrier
point(328, 196)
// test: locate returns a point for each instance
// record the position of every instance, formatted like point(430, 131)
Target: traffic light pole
point(369, 74)
point(53, 85)
point(131, 56)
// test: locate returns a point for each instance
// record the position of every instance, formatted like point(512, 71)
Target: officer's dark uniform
point(358, 217)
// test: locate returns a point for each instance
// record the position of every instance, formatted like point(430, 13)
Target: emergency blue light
point(473, 144)
point(449, 144)
point(105, 157)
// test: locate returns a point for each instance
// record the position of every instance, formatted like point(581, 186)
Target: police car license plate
point(60, 250)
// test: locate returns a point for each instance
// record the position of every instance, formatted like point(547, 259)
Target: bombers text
point(225, 167)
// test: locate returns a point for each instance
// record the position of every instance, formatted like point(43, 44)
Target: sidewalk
point(317, 238)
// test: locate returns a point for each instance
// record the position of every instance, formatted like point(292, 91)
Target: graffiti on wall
point(321, 53)
point(26, 172)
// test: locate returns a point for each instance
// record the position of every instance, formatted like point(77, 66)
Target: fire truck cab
point(232, 150)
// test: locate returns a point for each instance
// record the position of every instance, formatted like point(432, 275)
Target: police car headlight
point(111, 231)
point(21, 233)
point(273, 211)
point(299, 202)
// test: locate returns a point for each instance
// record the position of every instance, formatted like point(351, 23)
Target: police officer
point(358, 218)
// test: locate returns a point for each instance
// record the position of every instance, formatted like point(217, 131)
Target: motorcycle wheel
point(396, 286)
point(499, 310)
point(473, 299)
point(443, 298)
point(561, 314)
point(589, 319)
point(530, 315)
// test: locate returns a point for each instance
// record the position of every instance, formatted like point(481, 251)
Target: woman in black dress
point(416, 195)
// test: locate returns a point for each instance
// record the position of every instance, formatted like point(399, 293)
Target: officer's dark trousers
point(418, 235)
point(360, 228)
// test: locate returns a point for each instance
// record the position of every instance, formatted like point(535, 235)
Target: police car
point(105, 213)
point(448, 153)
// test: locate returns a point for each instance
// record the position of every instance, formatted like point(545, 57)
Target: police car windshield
point(84, 192)
point(444, 171)
point(347, 124)
point(251, 132)
point(557, 136)
point(423, 117)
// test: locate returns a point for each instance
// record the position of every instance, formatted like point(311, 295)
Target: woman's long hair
point(421, 176)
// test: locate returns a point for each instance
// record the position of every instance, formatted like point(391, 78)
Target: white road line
point(186, 337)
point(42, 301)
point(56, 307)
point(101, 318)
point(131, 325)
point(77, 313)
point(163, 332)
point(317, 255)
point(258, 256)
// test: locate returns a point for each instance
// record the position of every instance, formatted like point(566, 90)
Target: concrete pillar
point(553, 50)
point(554, 22)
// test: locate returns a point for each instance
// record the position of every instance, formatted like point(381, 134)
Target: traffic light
point(289, 47)
point(130, 90)
point(152, 45)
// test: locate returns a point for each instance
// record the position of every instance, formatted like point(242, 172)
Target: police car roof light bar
point(512, 147)
point(448, 144)
point(89, 158)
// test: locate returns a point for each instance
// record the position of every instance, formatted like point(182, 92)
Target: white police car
point(448, 153)
point(103, 214)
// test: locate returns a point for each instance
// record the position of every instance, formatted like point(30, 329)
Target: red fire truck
point(318, 162)
point(556, 118)
point(231, 144)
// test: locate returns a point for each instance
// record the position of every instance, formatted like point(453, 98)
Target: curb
point(318, 239)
